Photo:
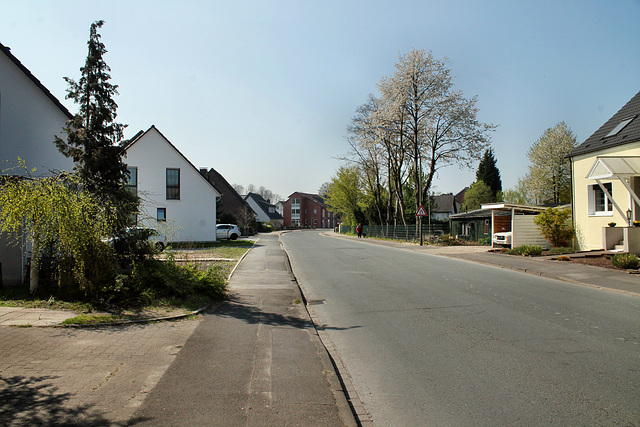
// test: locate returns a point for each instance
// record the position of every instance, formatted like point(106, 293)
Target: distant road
point(429, 340)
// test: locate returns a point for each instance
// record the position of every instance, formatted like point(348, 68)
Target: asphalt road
point(428, 340)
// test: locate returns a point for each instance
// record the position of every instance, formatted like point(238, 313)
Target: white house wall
point(589, 226)
point(261, 216)
point(29, 119)
point(193, 217)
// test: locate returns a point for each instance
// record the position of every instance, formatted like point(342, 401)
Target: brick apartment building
point(307, 211)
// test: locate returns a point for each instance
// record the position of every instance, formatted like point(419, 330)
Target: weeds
point(525, 250)
point(627, 261)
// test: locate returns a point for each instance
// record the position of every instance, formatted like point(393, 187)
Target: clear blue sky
point(263, 91)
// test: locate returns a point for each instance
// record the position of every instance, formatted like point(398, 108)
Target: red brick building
point(307, 211)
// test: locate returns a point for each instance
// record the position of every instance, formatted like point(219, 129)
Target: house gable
point(189, 217)
point(606, 177)
point(264, 210)
point(30, 117)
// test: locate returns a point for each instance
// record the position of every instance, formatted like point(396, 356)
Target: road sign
point(421, 211)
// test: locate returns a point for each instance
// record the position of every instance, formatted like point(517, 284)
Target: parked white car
point(503, 238)
point(227, 231)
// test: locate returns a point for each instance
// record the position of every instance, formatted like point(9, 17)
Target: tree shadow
point(35, 401)
point(235, 307)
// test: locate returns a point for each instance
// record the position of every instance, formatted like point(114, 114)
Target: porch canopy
point(622, 168)
point(615, 167)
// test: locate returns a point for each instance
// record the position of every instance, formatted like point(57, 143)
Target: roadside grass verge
point(177, 283)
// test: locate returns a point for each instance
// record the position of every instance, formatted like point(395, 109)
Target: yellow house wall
point(589, 227)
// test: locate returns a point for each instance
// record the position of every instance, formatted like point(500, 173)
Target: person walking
point(359, 230)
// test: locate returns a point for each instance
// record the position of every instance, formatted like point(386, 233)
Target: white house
point(175, 198)
point(605, 178)
point(30, 116)
point(264, 210)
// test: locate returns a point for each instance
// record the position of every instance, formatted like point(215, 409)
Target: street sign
point(421, 211)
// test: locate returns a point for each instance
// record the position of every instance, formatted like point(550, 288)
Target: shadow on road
point(236, 308)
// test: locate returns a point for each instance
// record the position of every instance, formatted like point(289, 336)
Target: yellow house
point(605, 171)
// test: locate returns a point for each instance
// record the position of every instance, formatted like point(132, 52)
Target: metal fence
point(407, 233)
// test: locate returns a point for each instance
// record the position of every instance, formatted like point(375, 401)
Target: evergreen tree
point(489, 173)
point(94, 139)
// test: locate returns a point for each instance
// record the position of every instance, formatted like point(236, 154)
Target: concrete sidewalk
point(586, 275)
point(19, 316)
point(252, 360)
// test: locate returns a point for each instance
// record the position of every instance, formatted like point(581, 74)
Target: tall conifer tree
point(94, 139)
point(489, 173)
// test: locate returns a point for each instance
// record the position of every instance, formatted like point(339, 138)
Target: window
point(161, 214)
point(173, 184)
point(132, 180)
point(616, 130)
point(599, 203)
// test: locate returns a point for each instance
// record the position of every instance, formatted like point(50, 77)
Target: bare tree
point(439, 123)
point(324, 188)
point(239, 188)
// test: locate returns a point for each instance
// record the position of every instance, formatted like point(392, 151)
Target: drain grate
point(316, 302)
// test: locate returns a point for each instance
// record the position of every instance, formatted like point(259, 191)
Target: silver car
point(227, 231)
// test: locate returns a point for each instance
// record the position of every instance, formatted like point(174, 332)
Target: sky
point(263, 91)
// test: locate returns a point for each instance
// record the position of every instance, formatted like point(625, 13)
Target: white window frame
point(593, 191)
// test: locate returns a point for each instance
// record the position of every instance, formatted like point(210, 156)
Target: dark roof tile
point(630, 133)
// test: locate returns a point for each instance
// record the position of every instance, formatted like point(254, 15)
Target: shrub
point(553, 225)
point(625, 261)
point(525, 250)
point(446, 240)
point(485, 241)
point(152, 279)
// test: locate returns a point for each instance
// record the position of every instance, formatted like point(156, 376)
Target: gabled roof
point(623, 128)
point(264, 205)
point(214, 176)
point(139, 136)
point(444, 203)
point(314, 197)
point(7, 51)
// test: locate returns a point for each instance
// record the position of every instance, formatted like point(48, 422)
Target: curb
point(343, 390)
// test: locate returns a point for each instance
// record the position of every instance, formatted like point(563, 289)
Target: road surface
point(428, 340)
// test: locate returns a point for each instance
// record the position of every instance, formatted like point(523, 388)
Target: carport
point(518, 219)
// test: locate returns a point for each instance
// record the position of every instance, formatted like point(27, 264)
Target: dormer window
point(616, 130)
